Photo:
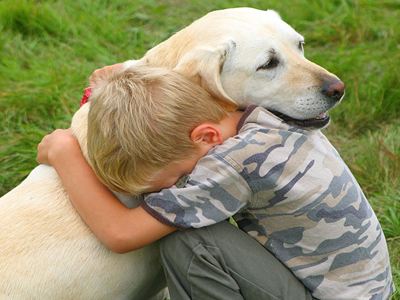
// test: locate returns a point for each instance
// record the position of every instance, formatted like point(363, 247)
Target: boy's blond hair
point(140, 120)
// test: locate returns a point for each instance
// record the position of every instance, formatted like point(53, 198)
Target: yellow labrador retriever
point(243, 56)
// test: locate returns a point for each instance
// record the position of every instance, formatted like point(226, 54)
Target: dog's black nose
point(334, 89)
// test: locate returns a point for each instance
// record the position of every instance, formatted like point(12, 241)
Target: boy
point(293, 193)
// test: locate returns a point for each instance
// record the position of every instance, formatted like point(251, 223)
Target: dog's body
point(48, 253)
point(247, 55)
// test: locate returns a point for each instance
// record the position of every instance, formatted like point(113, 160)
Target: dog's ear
point(203, 65)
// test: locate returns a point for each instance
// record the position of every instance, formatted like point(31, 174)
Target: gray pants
point(222, 262)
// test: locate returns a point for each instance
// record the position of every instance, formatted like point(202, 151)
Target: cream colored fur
point(46, 251)
point(223, 50)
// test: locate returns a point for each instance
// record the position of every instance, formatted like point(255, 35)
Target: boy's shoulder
point(260, 133)
point(252, 130)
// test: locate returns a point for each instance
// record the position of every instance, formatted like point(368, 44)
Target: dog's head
point(249, 56)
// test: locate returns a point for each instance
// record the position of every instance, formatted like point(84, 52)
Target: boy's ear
point(206, 133)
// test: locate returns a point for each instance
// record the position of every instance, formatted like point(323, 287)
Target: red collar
point(86, 94)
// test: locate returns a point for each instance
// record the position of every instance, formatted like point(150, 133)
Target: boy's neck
point(229, 124)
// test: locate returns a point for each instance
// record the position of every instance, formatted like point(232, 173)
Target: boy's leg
point(223, 262)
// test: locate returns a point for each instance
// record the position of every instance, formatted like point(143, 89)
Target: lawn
point(48, 49)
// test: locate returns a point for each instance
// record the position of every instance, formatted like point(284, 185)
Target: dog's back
point(47, 252)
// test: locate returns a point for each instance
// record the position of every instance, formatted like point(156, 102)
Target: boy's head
point(141, 121)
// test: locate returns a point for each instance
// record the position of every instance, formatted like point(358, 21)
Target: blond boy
point(140, 125)
point(293, 193)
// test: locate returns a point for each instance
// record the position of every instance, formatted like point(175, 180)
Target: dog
point(242, 56)
point(248, 56)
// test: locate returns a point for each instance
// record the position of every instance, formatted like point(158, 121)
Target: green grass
point(49, 48)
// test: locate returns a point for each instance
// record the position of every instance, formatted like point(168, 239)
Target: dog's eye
point(273, 62)
point(301, 46)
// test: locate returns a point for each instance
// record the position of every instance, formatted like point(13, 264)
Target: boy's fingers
point(48, 141)
point(39, 156)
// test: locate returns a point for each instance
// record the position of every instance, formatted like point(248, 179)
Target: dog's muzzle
point(318, 122)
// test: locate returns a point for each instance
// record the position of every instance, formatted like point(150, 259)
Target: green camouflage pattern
point(289, 189)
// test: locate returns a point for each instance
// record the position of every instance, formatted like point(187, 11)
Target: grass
point(49, 48)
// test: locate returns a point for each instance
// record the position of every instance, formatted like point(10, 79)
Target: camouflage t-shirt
point(289, 189)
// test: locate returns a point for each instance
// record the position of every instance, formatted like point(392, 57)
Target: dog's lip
point(318, 122)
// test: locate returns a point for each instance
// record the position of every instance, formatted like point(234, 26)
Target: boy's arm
point(121, 229)
point(214, 191)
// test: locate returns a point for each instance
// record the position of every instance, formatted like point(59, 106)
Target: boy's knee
point(181, 243)
point(178, 241)
point(176, 251)
point(170, 244)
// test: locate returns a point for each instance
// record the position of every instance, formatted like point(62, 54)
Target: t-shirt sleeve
point(214, 192)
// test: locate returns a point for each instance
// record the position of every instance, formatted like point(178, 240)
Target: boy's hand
point(102, 73)
point(57, 146)
point(121, 229)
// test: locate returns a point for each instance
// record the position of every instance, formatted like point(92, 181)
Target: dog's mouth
point(318, 122)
